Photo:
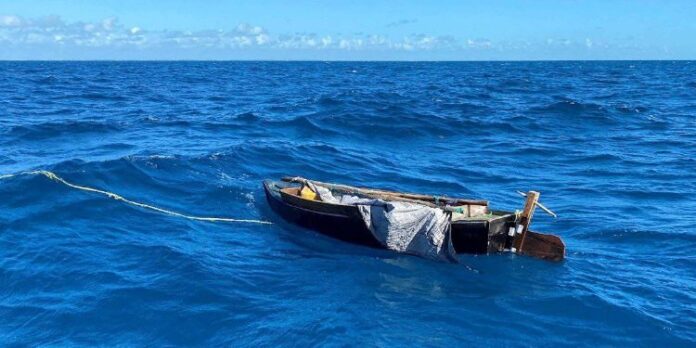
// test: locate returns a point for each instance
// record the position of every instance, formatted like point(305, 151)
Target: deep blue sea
point(610, 145)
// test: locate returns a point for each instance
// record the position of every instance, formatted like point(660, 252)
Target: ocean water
point(610, 145)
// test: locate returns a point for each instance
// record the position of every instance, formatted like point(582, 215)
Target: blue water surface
point(611, 146)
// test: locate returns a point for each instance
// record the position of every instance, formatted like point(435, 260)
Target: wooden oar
point(368, 191)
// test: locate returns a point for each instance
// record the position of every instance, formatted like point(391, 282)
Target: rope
point(56, 178)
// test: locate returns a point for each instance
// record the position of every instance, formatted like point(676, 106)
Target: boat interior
point(461, 210)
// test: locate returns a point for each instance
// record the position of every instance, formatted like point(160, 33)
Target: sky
point(347, 30)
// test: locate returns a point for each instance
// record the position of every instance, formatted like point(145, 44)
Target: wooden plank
point(368, 191)
point(291, 195)
point(526, 216)
point(543, 207)
point(543, 246)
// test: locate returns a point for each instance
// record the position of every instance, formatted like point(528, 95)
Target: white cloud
point(18, 32)
point(10, 21)
point(262, 39)
point(479, 43)
point(326, 41)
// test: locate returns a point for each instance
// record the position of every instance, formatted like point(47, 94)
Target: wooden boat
point(475, 228)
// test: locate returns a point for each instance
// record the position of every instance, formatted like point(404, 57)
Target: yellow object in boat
point(307, 193)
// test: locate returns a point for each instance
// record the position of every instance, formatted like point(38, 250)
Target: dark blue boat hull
point(347, 225)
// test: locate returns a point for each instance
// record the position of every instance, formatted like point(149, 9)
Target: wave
point(247, 117)
point(93, 96)
point(48, 130)
point(628, 109)
point(571, 107)
point(465, 107)
point(302, 123)
point(48, 80)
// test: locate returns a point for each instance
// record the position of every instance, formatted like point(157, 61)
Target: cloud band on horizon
point(54, 38)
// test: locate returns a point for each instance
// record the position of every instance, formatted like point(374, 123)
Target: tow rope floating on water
point(52, 176)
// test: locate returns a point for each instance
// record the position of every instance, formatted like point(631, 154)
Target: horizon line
point(353, 60)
